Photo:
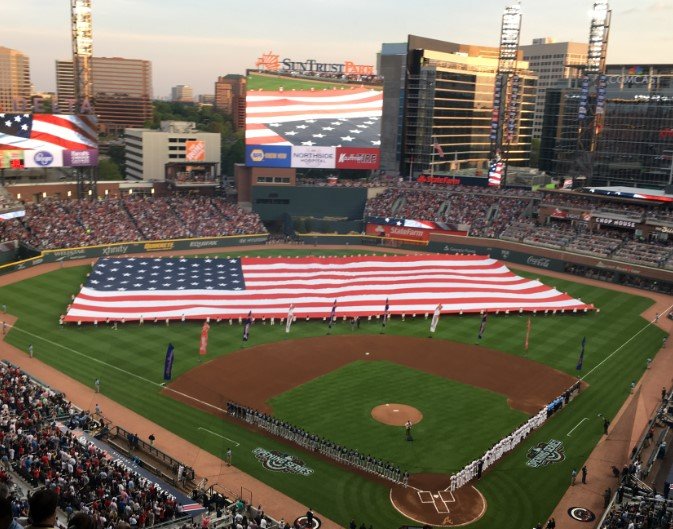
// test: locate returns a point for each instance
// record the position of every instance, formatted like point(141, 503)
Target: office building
point(440, 94)
point(552, 62)
point(122, 91)
point(182, 94)
point(14, 78)
point(633, 140)
point(177, 151)
point(230, 98)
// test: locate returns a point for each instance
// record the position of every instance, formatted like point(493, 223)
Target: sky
point(193, 42)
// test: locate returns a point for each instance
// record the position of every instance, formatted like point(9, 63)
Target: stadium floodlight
point(598, 37)
point(82, 48)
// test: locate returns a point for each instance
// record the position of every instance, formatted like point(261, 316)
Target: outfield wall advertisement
point(87, 252)
point(324, 129)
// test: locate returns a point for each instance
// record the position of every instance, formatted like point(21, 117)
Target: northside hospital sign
point(271, 62)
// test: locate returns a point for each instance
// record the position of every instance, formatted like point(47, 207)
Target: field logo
point(281, 462)
point(581, 514)
point(302, 522)
point(544, 454)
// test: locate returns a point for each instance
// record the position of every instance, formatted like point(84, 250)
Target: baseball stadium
point(320, 309)
point(235, 411)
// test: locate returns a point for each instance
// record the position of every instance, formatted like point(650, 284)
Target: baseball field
point(470, 392)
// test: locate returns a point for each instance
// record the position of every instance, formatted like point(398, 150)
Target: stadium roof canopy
point(652, 195)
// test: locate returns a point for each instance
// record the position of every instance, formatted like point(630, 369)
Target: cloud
point(654, 7)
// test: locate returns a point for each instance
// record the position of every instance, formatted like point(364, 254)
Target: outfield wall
point(124, 248)
point(644, 277)
point(556, 260)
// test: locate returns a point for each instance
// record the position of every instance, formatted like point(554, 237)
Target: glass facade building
point(632, 142)
point(445, 92)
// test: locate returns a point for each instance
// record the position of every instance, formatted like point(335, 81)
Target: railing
point(188, 473)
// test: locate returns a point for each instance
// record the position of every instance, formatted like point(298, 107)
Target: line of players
point(475, 468)
point(318, 444)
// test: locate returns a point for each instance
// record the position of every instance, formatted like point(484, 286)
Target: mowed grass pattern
point(130, 364)
point(338, 406)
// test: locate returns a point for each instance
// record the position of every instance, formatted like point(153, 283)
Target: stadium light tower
point(593, 87)
point(82, 55)
point(82, 49)
point(507, 92)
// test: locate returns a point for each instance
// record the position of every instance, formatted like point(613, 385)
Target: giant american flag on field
point(48, 131)
point(227, 288)
point(323, 118)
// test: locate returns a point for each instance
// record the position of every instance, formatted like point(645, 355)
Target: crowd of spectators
point(648, 254)
point(70, 223)
point(46, 453)
point(637, 505)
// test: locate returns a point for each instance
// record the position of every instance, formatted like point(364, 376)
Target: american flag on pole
point(323, 118)
point(495, 171)
point(48, 131)
point(219, 288)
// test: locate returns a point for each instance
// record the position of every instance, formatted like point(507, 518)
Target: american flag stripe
point(44, 131)
point(282, 107)
point(257, 133)
point(69, 128)
point(361, 286)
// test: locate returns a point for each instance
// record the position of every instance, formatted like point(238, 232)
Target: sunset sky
point(195, 41)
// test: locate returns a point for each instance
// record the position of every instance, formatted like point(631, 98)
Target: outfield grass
point(130, 364)
point(270, 82)
point(338, 406)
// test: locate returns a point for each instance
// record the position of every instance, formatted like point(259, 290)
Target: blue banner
point(168, 363)
point(268, 155)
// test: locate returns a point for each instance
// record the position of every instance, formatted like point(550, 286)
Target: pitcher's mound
point(396, 414)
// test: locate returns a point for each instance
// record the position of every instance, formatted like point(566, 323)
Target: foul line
point(220, 436)
point(571, 431)
point(649, 324)
point(112, 366)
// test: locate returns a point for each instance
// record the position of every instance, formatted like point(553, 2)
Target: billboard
point(358, 158)
point(11, 159)
point(314, 157)
point(306, 120)
point(195, 151)
point(268, 155)
point(49, 140)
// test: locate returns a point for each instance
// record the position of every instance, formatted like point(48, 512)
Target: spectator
point(42, 511)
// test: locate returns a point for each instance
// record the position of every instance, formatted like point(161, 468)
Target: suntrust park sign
point(273, 63)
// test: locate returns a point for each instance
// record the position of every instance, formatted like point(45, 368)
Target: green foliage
point(130, 364)
point(108, 170)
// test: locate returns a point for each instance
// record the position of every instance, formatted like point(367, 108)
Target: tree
point(109, 170)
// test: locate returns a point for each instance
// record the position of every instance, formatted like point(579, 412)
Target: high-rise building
point(122, 91)
point(182, 94)
point(552, 61)
point(441, 97)
point(14, 77)
point(633, 143)
point(230, 97)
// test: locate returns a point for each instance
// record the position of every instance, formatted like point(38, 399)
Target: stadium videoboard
point(48, 140)
point(322, 129)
